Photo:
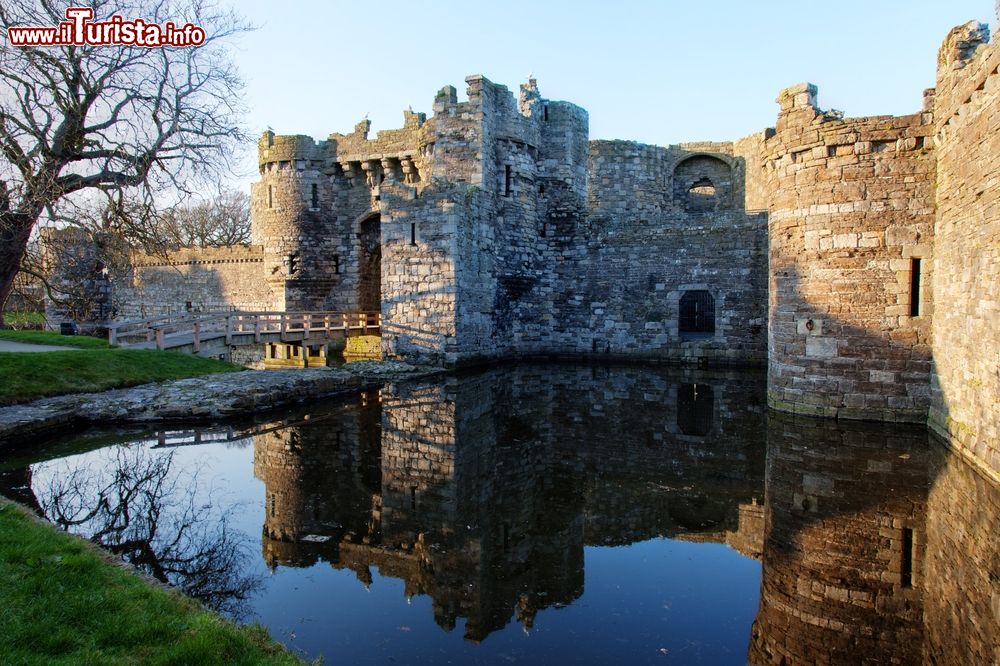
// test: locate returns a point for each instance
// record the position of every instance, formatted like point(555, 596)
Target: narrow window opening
point(273, 504)
point(293, 264)
point(702, 187)
point(413, 233)
point(336, 264)
point(315, 195)
point(545, 112)
point(541, 188)
point(508, 180)
point(413, 497)
point(906, 575)
point(542, 229)
point(270, 197)
point(914, 287)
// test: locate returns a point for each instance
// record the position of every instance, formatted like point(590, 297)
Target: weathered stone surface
point(212, 396)
point(965, 381)
point(848, 210)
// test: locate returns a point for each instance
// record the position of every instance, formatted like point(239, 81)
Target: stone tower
point(850, 230)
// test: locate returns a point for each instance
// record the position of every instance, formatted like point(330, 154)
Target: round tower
point(287, 212)
point(850, 226)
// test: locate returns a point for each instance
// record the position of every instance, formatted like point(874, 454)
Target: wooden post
point(283, 325)
point(256, 328)
point(112, 335)
point(229, 329)
point(159, 338)
point(197, 337)
point(307, 325)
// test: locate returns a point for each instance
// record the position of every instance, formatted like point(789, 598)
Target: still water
point(552, 513)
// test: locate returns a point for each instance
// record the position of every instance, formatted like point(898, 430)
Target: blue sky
point(657, 72)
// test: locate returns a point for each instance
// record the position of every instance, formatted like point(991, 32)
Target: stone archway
point(370, 264)
point(703, 183)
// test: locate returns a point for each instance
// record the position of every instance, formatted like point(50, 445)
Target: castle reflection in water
point(482, 492)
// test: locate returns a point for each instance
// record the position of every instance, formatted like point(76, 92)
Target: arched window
point(697, 315)
point(702, 184)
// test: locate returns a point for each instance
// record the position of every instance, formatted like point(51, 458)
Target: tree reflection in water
point(137, 505)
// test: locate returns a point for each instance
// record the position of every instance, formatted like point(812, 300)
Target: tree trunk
point(15, 230)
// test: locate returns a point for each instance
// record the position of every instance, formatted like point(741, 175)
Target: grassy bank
point(28, 376)
point(62, 601)
point(51, 338)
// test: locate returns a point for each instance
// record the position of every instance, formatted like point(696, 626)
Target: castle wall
point(851, 207)
point(193, 280)
point(965, 382)
point(504, 231)
point(620, 271)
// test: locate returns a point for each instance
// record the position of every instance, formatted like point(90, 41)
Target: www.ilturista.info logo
point(80, 29)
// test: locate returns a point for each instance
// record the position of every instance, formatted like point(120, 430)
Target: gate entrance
point(370, 264)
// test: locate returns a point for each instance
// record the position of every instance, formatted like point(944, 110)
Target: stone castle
point(859, 258)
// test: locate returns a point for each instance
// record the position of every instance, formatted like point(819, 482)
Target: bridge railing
point(213, 325)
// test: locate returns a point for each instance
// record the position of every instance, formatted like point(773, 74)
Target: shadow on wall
point(874, 365)
point(896, 550)
point(425, 341)
point(160, 290)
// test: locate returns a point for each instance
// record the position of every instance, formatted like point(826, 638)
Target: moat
point(543, 513)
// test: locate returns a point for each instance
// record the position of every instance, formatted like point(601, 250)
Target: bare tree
point(225, 220)
point(144, 511)
point(108, 118)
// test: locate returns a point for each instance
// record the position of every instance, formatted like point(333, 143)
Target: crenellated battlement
point(856, 257)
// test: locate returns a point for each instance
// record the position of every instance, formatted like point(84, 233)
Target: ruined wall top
point(966, 60)
point(490, 106)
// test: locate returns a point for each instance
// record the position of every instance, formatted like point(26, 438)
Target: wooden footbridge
point(188, 332)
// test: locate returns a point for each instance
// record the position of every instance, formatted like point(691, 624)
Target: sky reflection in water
point(540, 513)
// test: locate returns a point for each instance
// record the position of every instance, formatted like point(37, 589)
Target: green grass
point(63, 602)
point(18, 319)
point(27, 376)
point(53, 338)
